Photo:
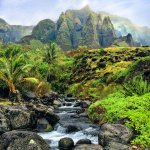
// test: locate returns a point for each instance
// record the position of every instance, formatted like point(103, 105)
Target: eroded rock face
point(22, 140)
point(114, 133)
point(88, 147)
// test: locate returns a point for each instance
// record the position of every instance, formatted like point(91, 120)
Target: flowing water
point(68, 116)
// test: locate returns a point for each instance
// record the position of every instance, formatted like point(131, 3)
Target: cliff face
point(78, 28)
point(13, 33)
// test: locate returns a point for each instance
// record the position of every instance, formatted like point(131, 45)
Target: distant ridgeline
point(13, 33)
point(86, 28)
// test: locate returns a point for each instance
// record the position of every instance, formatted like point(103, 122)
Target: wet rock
point(84, 141)
point(66, 144)
point(43, 125)
point(83, 115)
point(19, 118)
point(72, 128)
point(117, 146)
point(22, 140)
point(114, 133)
point(88, 147)
point(42, 111)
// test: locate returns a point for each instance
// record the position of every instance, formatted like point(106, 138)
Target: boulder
point(72, 128)
point(22, 140)
point(114, 133)
point(88, 147)
point(66, 144)
point(83, 141)
point(4, 123)
point(19, 118)
point(117, 146)
point(42, 111)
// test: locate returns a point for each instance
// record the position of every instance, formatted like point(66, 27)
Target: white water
point(59, 132)
point(54, 136)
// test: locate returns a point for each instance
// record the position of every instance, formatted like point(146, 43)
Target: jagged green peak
point(46, 21)
point(107, 21)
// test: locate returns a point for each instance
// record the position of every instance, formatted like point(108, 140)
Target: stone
point(83, 141)
point(22, 140)
point(72, 128)
point(29, 96)
point(88, 147)
point(117, 146)
point(42, 111)
point(43, 125)
point(19, 119)
point(114, 133)
point(66, 144)
point(57, 103)
point(4, 123)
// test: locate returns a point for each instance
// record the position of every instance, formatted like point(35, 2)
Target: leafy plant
point(134, 110)
point(136, 86)
point(14, 68)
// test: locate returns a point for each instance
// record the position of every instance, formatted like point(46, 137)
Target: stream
point(73, 123)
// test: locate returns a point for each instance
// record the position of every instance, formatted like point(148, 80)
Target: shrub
point(134, 110)
point(136, 86)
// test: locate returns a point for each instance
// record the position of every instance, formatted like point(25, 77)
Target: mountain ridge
point(70, 28)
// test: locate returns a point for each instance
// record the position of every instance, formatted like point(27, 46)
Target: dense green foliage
point(133, 110)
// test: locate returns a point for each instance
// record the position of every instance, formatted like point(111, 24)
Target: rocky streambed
point(58, 122)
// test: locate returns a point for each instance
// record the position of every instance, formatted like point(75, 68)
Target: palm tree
point(52, 52)
point(13, 68)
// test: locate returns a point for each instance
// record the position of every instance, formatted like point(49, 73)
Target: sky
point(30, 12)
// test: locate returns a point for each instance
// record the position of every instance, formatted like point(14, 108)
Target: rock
point(66, 144)
point(83, 141)
point(4, 123)
point(114, 133)
point(72, 128)
point(70, 99)
point(70, 95)
point(57, 103)
point(19, 118)
point(22, 140)
point(88, 147)
point(85, 104)
point(43, 125)
point(42, 111)
point(83, 115)
point(29, 96)
point(117, 146)
point(49, 98)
